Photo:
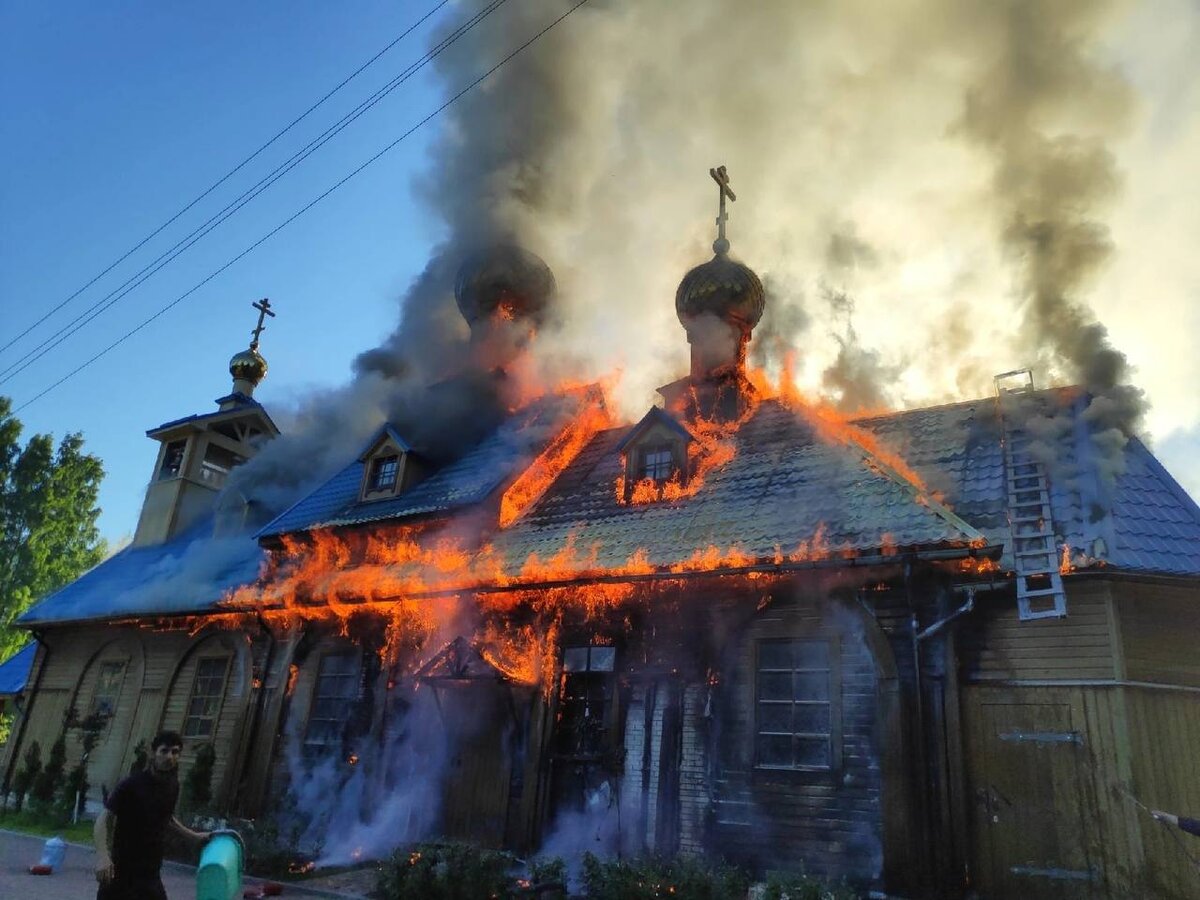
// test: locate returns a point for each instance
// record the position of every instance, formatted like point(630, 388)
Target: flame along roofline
point(836, 559)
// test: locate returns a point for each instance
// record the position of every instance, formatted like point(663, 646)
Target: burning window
point(208, 686)
point(658, 464)
point(586, 699)
point(333, 700)
point(172, 460)
point(383, 473)
point(108, 688)
point(794, 705)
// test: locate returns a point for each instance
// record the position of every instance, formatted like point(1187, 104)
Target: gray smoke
point(856, 139)
point(858, 380)
point(1051, 186)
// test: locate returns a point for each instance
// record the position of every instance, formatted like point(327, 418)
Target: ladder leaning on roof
point(1035, 554)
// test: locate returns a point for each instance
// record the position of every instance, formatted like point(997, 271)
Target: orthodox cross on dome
point(721, 177)
point(264, 309)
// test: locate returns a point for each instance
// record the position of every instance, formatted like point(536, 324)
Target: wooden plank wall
point(995, 645)
point(1160, 630)
point(828, 822)
point(1137, 742)
point(153, 660)
point(1164, 738)
point(231, 714)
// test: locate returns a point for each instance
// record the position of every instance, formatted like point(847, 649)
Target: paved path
point(77, 878)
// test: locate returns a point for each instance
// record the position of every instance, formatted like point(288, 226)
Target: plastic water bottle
point(53, 853)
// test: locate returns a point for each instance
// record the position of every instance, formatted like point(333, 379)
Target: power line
point(212, 187)
point(303, 209)
point(185, 243)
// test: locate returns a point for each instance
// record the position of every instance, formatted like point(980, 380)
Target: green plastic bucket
point(220, 874)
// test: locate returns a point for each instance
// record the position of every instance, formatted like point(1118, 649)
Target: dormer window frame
point(656, 434)
point(386, 446)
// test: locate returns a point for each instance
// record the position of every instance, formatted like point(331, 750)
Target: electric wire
point(212, 187)
point(189, 240)
point(305, 208)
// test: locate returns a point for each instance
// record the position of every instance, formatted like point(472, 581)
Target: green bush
point(74, 790)
point(197, 784)
point(680, 878)
point(799, 886)
point(31, 767)
point(448, 872)
point(49, 780)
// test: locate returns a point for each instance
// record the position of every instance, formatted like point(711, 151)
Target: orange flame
point(534, 481)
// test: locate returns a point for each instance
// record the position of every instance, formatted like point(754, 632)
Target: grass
point(27, 823)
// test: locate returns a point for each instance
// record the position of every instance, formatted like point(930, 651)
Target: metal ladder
point(1035, 552)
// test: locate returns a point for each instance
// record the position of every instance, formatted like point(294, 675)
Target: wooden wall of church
point(232, 650)
point(996, 645)
point(77, 672)
point(827, 821)
point(1068, 744)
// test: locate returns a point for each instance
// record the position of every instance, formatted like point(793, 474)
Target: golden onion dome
point(504, 278)
point(248, 365)
point(723, 288)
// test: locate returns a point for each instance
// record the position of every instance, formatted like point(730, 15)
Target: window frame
point(215, 718)
point(317, 748)
point(833, 737)
point(377, 464)
point(108, 665)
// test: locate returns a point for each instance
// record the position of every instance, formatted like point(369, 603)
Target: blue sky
point(116, 115)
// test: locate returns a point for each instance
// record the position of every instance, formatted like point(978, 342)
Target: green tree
point(48, 512)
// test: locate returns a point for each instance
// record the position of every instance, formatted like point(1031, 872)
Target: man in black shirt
point(1191, 826)
point(131, 829)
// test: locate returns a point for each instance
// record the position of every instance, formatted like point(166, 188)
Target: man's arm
point(196, 837)
point(102, 833)
point(1191, 826)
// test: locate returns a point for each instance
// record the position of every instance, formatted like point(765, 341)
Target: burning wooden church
point(932, 651)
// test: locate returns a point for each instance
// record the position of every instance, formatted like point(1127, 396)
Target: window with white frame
point(108, 688)
point(204, 703)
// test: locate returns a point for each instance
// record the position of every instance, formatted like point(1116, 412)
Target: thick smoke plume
point(857, 139)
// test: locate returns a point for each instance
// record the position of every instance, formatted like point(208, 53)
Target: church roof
point(14, 671)
point(188, 574)
point(785, 485)
point(468, 480)
point(241, 402)
point(787, 481)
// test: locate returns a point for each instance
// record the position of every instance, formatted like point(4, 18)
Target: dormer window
point(389, 466)
point(384, 470)
point(655, 454)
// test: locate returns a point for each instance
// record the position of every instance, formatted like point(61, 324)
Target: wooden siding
point(1164, 739)
point(1046, 806)
point(1160, 630)
point(996, 645)
point(230, 713)
point(828, 822)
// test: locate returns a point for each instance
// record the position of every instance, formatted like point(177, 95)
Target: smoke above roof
point(934, 160)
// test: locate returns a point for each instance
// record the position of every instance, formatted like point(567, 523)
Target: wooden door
point(1027, 762)
point(479, 725)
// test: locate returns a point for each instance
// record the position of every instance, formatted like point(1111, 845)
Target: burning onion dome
point(505, 281)
point(719, 303)
point(248, 367)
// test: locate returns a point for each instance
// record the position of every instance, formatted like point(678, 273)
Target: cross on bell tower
point(264, 309)
point(721, 177)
